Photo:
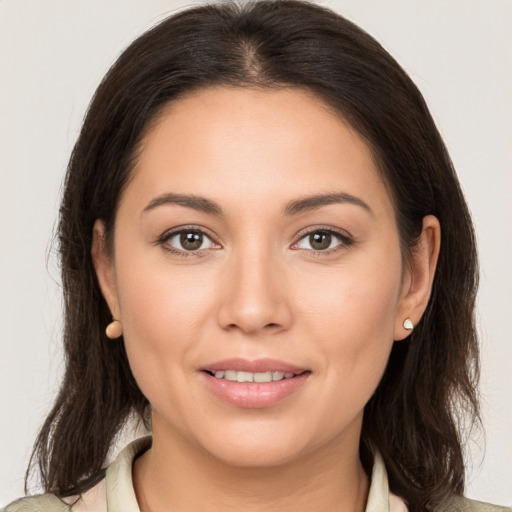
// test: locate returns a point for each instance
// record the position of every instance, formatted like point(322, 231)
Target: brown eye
point(187, 240)
point(191, 241)
point(320, 240)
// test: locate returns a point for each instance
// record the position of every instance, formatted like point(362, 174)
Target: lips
point(253, 384)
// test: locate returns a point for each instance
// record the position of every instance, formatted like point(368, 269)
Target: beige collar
point(121, 495)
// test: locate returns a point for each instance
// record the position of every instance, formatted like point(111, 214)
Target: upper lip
point(255, 366)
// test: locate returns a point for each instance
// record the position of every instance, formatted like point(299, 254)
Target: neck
point(175, 475)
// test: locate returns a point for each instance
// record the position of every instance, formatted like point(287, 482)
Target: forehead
point(255, 146)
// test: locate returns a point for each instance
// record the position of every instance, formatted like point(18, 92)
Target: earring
point(408, 324)
point(114, 329)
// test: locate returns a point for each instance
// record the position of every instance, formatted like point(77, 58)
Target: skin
point(258, 287)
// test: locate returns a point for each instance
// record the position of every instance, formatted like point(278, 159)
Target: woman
point(260, 211)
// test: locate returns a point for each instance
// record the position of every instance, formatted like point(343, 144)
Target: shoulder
point(43, 503)
point(117, 485)
point(93, 500)
point(461, 504)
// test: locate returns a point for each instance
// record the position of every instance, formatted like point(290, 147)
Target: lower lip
point(253, 395)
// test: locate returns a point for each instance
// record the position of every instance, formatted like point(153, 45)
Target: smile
point(253, 384)
point(259, 377)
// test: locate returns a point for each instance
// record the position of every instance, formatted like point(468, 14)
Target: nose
point(254, 293)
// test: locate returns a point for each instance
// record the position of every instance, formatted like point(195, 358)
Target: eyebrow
point(294, 207)
point(313, 202)
point(198, 203)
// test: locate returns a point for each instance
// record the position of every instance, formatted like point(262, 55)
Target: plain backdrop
point(53, 55)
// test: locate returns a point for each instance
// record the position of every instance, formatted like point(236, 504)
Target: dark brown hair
point(414, 418)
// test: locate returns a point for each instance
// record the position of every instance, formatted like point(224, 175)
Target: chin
point(253, 457)
point(258, 449)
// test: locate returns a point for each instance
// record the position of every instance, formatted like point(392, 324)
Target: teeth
point(263, 377)
point(277, 375)
point(234, 376)
point(230, 375)
point(244, 377)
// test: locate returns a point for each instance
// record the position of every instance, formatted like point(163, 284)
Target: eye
point(322, 240)
point(187, 240)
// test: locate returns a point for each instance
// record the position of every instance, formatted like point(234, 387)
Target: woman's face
point(256, 241)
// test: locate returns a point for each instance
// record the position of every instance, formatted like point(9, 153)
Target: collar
point(121, 495)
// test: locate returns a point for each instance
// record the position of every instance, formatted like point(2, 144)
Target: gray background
point(52, 56)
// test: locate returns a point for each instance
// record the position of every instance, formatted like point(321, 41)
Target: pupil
point(320, 240)
point(191, 241)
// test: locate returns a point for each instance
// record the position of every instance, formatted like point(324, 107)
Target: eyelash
point(164, 241)
point(344, 239)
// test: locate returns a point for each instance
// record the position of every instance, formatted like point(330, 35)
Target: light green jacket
point(115, 493)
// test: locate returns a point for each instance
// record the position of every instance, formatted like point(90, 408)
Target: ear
point(104, 267)
point(419, 277)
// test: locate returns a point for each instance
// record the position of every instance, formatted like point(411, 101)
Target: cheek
point(360, 299)
point(158, 292)
point(352, 318)
point(166, 303)
point(163, 309)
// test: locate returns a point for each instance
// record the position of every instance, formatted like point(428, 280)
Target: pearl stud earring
point(408, 324)
point(114, 329)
